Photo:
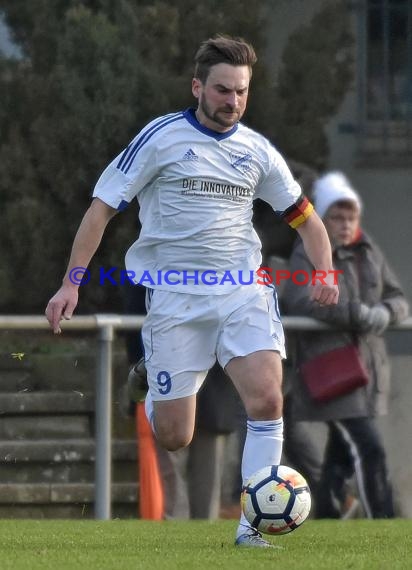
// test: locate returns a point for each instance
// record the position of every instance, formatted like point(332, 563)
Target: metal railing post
point(103, 435)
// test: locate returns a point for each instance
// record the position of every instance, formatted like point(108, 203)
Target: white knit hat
point(331, 188)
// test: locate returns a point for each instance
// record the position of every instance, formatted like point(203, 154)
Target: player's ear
point(196, 87)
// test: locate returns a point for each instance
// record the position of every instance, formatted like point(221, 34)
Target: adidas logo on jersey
point(190, 155)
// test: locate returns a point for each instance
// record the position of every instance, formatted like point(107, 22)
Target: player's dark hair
point(223, 49)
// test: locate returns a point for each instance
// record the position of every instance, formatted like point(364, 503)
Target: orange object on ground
point(151, 495)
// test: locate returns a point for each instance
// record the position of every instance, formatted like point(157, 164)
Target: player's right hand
point(326, 291)
point(61, 306)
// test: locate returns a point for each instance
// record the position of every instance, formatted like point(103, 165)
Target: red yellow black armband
point(298, 213)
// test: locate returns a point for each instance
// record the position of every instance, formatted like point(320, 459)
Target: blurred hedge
point(91, 74)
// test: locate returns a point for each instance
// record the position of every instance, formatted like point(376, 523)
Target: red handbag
point(334, 373)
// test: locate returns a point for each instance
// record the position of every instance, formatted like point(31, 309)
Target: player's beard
point(225, 117)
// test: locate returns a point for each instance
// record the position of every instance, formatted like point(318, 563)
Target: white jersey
point(195, 188)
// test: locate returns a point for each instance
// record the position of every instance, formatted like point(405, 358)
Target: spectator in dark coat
point(370, 300)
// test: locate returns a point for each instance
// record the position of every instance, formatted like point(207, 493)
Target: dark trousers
point(300, 448)
point(355, 447)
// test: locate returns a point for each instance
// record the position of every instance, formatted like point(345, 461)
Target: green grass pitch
point(134, 544)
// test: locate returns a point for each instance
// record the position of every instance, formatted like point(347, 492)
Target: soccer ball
point(276, 499)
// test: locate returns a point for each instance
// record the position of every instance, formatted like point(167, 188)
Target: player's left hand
point(325, 291)
point(61, 306)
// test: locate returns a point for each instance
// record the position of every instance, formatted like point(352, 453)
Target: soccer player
point(195, 174)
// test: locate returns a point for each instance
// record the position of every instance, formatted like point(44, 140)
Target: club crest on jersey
point(241, 161)
point(190, 155)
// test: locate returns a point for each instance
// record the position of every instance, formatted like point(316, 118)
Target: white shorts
point(183, 335)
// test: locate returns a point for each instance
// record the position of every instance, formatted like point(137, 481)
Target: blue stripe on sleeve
point(122, 206)
point(131, 151)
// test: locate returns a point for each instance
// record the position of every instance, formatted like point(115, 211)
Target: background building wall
point(386, 191)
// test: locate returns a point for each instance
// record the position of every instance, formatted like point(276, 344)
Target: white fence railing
point(106, 325)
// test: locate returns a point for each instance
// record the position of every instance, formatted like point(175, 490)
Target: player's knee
point(174, 423)
point(266, 407)
point(172, 440)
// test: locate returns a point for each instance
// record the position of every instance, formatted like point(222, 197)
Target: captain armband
point(298, 213)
